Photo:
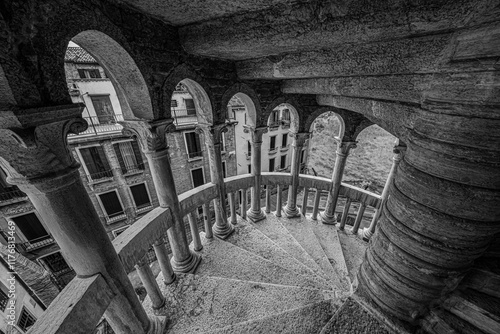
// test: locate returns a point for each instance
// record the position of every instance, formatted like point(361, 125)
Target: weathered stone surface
point(353, 249)
point(202, 303)
point(352, 318)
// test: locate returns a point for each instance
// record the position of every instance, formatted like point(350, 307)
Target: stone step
point(353, 249)
point(304, 320)
point(251, 239)
point(302, 231)
point(202, 303)
point(273, 229)
point(483, 281)
point(475, 310)
point(329, 240)
point(223, 259)
point(457, 324)
point(353, 318)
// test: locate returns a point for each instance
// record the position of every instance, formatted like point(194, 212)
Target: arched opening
point(128, 82)
point(326, 130)
point(190, 104)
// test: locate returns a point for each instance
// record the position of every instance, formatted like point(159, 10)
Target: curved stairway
point(275, 276)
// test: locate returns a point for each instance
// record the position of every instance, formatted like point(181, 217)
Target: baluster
point(232, 206)
point(237, 204)
point(345, 213)
point(359, 217)
point(164, 261)
point(278, 201)
point(304, 201)
point(150, 284)
point(193, 225)
point(207, 221)
point(317, 198)
point(268, 199)
point(244, 203)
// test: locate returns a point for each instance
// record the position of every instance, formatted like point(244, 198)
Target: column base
point(327, 219)
point(366, 234)
point(291, 212)
point(222, 232)
point(256, 216)
point(188, 266)
point(157, 324)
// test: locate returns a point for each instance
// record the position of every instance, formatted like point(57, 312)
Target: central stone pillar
point(255, 212)
point(343, 149)
point(39, 163)
point(152, 139)
point(213, 142)
point(299, 139)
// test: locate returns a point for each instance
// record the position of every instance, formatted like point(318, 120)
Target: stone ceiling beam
point(305, 26)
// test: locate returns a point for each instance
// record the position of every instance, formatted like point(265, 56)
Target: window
point(82, 74)
point(249, 148)
point(245, 118)
point(223, 142)
point(111, 205)
point(302, 156)
point(285, 115)
point(4, 299)
point(31, 227)
point(173, 103)
point(283, 162)
point(197, 176)
point(92, 73)
point(284, 140)
point(129, 156)
point(272, 143)
point(224, 169)
point(103, 109)
point(249, 169)
point(119, 231)
point(55, 263)
point(190, 108)
point(141, 196)
point(271, 164)
point(193, 145)
point(274, 117)
point(26, 320)
point(96, 163)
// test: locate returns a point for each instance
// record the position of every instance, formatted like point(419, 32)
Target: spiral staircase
point(277, 275)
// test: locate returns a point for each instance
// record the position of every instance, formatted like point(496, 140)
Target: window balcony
point(273, 126)
point(284, 148)
point(195, 155)
point(100, 176)
point(12, 195)
point(248, 155)
point(100, 125)
point(116, 217)
point(184, 117)
point(273, 150)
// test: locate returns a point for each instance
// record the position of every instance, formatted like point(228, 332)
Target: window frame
point(281, 159)
point(43, 265)
point(274, 164)
point(24, 309)
point(106, 216)
point(138, 164)
point(271, 141)
point(198, 157)
point(191, 174)
point(20, 233)
point(119, 231)
point(147, 208)
point(84, 165)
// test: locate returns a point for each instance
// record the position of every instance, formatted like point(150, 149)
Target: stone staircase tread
point(460, 325)
point(223, 259)
point(353, 249)
point(304, 320)
point(329, 240)
point(485, 302)
point(483, 281)
point(302, 231)
point(251, 239)
point(351, 317)
point(204, 303)
point(275, 231)
point(488, 263)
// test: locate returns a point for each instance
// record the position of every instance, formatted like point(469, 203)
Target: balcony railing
point(184, 116)
point(273, 125)
point(37, 243)
point(134, 244)
point(12, 194)
point(101, 125)
point(100, 175)
point(194, 155)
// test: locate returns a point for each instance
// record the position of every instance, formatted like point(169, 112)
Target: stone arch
point(198, 89)
point(248, 96)
point(296, 112)
point(127, 79)
point(310, 121)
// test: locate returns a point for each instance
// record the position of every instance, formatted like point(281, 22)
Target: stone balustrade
point(150, 230)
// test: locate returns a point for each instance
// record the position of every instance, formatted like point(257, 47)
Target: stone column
point(299, 139)
point(441, 212)
point(398, 154)
point(213, 141)
point(255, 212)
point(343, 149)
point(39, 163)
point(152, 139)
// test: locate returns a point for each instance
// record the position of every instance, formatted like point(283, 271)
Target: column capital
point(151, 135)
point(300, 138)
point(399, 150)
point(214, 131)
point(256, 132)
point(40, 150)
point(344, 147)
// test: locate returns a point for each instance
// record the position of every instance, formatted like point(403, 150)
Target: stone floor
point(277, 275)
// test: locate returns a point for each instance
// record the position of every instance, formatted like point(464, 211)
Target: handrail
point(77, 309)
point(196, 197)
point(360, 195)
point(133, 244)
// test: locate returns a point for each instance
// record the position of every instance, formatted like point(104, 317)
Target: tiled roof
point(78, 55)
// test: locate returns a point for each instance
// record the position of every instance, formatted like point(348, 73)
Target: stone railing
point(132, 246)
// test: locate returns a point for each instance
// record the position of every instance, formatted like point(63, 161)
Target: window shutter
point(88, 159)
point(140, 195)
point(104, 160)
point(30, 226)
point(138, 155)
point(120, 158)
point(190, 108)
point(81, 73)
point(111, 204)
